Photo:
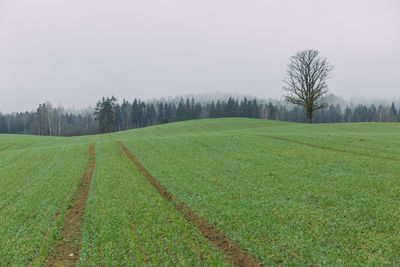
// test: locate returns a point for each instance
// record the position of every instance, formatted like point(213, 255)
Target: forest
point(111, 116)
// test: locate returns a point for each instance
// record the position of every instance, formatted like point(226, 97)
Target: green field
point(287, 193)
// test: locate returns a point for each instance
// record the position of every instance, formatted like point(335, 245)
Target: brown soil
point(101, 138)
point(332, 149)
point(66, 251)
point(111, 137)
point(237, 255)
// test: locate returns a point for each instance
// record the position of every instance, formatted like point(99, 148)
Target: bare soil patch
point(66, 251)
point(237, 255)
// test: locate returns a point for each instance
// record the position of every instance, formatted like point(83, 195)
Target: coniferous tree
point(211, 110)
point(271, 112)
point(181, 110)
point(334, 114)
point(118, 118)
point(105, 114)
point(151, 114)
point(371, 112)
point(160, 113)
point(197, 110)
point(347, 114)
point(218, 110)
point(188, 110)
point(393, 112)
point(125, 115)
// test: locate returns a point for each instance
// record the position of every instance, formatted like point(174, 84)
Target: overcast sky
point(73, 51)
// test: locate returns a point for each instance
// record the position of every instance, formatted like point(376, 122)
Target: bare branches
point(306, 80)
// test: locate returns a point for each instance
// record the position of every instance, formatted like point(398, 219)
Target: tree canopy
point(306, 80)
point(105, 113)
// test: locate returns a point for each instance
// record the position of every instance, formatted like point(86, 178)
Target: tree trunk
point(309, 116)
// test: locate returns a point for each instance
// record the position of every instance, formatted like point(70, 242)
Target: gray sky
point(73, 52)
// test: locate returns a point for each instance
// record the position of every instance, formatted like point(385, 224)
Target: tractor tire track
point(66, 252)
point(151, 129)
point(9, 146)
point(26, 146)
point(331, 149)
point(237, 255)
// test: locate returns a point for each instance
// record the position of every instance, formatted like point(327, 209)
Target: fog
point(74, 52)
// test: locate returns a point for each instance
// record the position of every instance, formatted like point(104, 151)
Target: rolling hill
point(233, 191)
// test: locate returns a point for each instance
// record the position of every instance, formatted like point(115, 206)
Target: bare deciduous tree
point(306, 80)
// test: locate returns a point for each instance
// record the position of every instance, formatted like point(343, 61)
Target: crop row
point(284, 202)
point(128, 223)
point(34, 185)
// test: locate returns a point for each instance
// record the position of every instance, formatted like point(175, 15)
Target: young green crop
point(34, 185)
point(291, 194)
point(128, 223)
point(286, 202)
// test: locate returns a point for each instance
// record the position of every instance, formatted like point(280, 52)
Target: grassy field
point(291, 194)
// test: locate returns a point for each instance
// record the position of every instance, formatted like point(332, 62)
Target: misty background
point(74, 52)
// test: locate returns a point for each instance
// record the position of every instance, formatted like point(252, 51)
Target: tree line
point(336, 114)
point(110, 116)
point(49, 120)
point(305, 84)
point(114, 117)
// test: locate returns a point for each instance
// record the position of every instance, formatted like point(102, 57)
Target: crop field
point(214, 192)
point(36, 183)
